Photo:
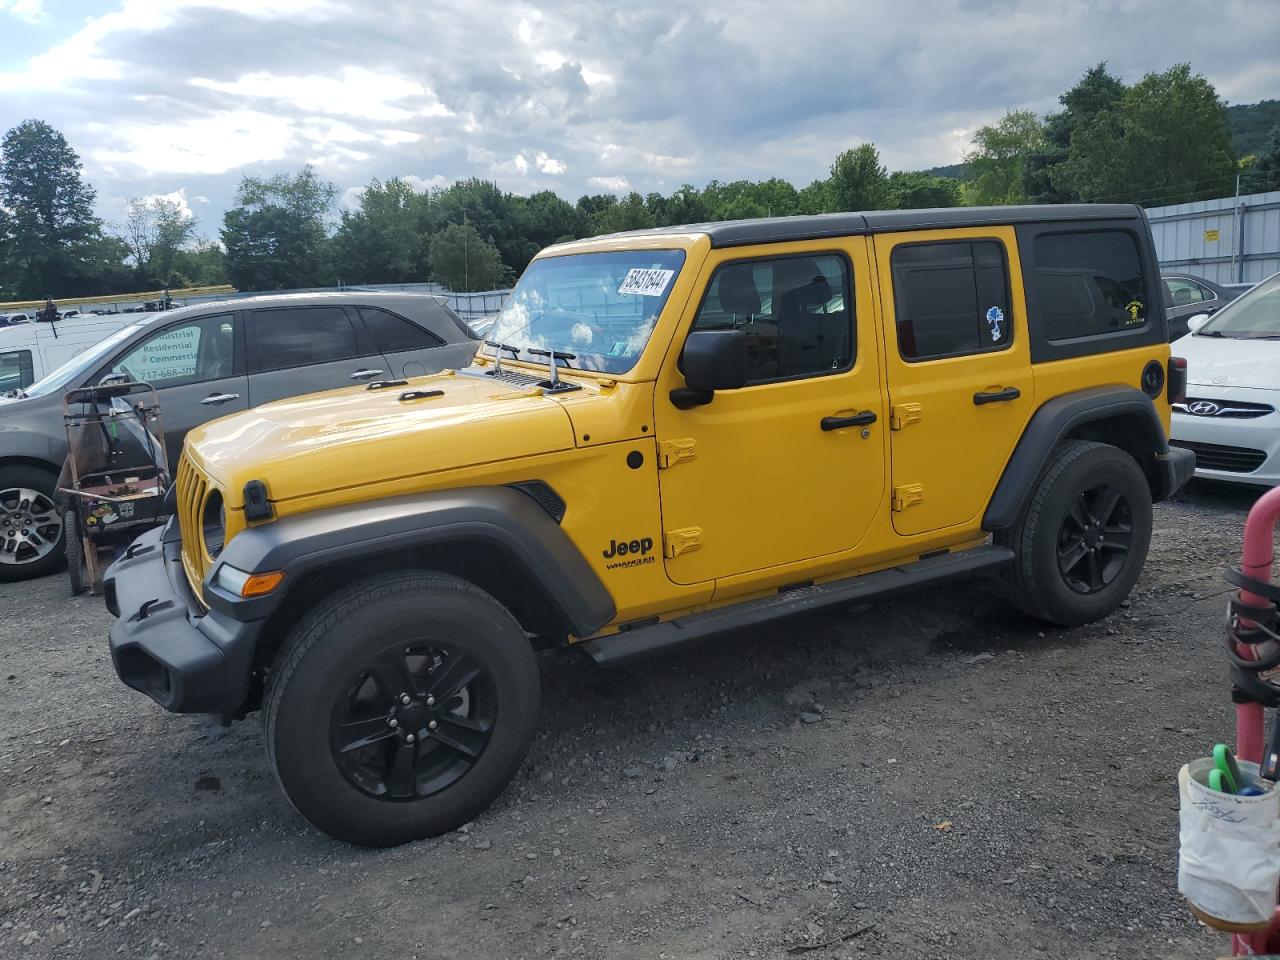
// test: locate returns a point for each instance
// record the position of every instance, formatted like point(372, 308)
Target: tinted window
point(1090, 283)
point(393, 334)
point(1179, 292)
point(190, 352)
point(951, 298)
point(797, 314)
point(302, 336)
point(16, 370)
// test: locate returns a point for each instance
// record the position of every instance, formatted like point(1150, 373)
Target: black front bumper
point(164, 643)
point(1175, 468)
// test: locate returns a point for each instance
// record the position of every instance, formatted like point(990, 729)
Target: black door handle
point(860, 419)
point(996, 396)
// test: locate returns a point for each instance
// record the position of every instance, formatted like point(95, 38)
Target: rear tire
point(1082, 540)
point(401, 708)
point(28, 503)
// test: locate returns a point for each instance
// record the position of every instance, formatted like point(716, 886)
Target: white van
point(29, 351)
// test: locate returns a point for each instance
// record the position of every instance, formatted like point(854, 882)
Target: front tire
point(77, 569)
point(401, 708)
point(1081, 542)
point(31, 534)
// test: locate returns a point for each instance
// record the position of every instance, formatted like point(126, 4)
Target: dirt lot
point(935, 774)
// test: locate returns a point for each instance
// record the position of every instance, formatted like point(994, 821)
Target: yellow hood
point(344, 438)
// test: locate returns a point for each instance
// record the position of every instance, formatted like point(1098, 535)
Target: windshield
point(80, 364)
point(1254, 316)
point(599, 307)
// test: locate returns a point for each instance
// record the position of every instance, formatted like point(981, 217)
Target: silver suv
point(207, 361)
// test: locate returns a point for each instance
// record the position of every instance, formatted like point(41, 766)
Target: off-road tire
point(18, 476)
point(1035, 582)
point(332, 645)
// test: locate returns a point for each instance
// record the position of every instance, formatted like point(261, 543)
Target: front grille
point(1223, 409)
point(192, 487)
point(1214, 456)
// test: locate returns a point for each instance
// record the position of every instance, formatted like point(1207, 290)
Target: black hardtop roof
point(736, 233)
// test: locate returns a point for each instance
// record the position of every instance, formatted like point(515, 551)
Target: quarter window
point(303, 336)
point(796, 312)
point(395, 334)
point(190, 352)
point(17, 370)
point(1090, 283)
point(1180, 292)
point(951, 298)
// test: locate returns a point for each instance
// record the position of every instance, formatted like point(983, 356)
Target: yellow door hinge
point(903, 414)
point(907, 495)
point(676, 542)
point(671, 452)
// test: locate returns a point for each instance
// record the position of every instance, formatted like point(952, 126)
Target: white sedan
point(1230, 416)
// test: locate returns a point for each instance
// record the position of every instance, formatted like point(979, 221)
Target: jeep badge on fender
point(621, 549)
point(838, 407)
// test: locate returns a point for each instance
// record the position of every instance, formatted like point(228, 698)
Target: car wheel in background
point(31, 532)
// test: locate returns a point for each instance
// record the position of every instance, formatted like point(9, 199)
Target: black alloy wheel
point(413, 722)
point(1095, 538)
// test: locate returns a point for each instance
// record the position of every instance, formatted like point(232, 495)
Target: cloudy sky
point(183, 97)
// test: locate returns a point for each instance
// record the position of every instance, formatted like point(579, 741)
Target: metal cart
point(116, 474)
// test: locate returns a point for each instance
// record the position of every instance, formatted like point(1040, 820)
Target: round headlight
point(214, 523)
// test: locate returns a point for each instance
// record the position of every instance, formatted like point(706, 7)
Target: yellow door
point(790, 466)
point(958, 367)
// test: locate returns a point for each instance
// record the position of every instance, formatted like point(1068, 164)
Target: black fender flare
point(1054, 421)
point(502, 517)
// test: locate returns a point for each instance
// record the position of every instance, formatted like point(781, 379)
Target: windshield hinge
point(671, 452)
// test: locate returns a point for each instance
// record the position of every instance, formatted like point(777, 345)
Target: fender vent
point(544, 496)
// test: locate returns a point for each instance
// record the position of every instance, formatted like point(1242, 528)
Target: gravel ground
point(939, 778)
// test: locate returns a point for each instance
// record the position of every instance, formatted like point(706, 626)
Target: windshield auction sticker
point(646, 283)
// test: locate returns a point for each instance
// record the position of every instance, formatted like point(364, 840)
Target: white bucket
point(1229, 849)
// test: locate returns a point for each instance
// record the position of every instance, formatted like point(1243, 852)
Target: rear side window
point(951, 298)
point(17, 370)
point(303, 336)
point(1089, 283)
point(394, 334)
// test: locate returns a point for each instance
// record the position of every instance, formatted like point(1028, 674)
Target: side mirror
point(114, 379)
point(711, 360)
point(1196, 322)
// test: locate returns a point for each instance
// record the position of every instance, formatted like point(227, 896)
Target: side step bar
point(620, 648)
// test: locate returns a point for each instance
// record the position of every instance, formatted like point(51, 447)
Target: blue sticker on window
point(995, 317)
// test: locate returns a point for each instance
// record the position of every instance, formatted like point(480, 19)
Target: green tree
point(685, 206)
point(275, 235)
point(155, 230)
point(629, 213)
point(201, 264)
point(463, 260)
point(545, 218)
point(1166, 141)
point(917, 190)
point(52, 235)
point(815, 198)
point(495, 214)
point(858, 180)
point(382, 239)
point(1262, 173)
point(999, 158)
point(1095, 93)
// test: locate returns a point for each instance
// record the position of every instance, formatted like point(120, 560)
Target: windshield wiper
point(1213, 333)
point(553, 356)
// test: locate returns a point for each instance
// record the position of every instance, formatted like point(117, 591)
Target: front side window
point(191, 352)
point(796, 313)
point(394, 334)
point(951, 298)
point(17, 370)
point(599, 307)
point(302, 336)
point(1090, 283)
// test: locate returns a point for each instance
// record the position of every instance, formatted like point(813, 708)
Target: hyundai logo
point(1204, 408)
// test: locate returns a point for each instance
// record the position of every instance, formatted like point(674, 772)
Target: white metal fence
point(1229, 240)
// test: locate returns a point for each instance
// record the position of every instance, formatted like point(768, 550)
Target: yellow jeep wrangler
point(672, 433)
